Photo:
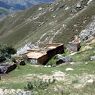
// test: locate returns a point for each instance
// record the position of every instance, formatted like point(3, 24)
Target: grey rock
point(59, 56)
point(64, 60)
point(88, 32)
point(24, 93)
point(6, 68)
point(73, 46)
point(92, 58)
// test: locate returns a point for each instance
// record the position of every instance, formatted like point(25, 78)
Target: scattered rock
point(78, 86)
point(88, 32)
point(89, 2)
point(24, 93)
point(72, 63)
point(92, 58)
point(14, 92)
point(90, 81)
point(69, 69)
point(59, 76)
point(66, 8)
point(6, 68)
point(61, 59)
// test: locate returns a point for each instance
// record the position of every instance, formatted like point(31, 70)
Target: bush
point(39, 85)
point(52, 62)
point(2, 58)
point(6, 52)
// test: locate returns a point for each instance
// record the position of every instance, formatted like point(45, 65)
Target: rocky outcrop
point(14, 92)
point(61, 59)
point(92, 58)
point(73, 46)
point(89, 31)
point(6, 68)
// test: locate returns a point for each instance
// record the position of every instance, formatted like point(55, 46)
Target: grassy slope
point(18, 78)
point(83, 71)
point(18, 30)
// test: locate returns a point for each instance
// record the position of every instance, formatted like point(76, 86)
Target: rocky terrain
point(47, 23)
point(11, 6)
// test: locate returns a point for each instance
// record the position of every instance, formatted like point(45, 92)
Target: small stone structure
point(55, 48)
point(43, 56)
point(74, 45)
point(37, 57)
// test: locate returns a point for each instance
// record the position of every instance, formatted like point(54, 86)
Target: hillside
point(71, 78)
point(44, 23)
point(69, 73)
point(17, 5)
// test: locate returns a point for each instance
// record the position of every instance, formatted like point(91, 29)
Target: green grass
point(17, 76)
point(83, 56)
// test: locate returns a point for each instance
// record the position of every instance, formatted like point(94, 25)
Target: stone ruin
point(74, 45)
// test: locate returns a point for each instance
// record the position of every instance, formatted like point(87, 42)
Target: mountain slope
point(15, 5)
point(46, 23)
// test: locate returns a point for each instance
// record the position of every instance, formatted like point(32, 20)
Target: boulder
point(88, 32)
point(65, 59)
point(73, 46)
point(92, 58)
point(11, 68)
point(69, 69)
point(6, 68)
point(3, 69)
point(22, 63)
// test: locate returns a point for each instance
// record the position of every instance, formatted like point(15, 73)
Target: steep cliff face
point(47, 23)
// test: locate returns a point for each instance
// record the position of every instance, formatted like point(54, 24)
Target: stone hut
point(37, 57)
point(55, 48)
point(42, 56)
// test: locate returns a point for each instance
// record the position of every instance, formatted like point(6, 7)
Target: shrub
point(2, 58)
point(52, 62)
point(38, 85)
point(6, 52)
